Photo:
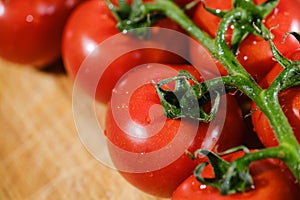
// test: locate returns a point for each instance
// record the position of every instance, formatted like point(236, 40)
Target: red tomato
point(289, 100)
point(159, 143)
point(93, 23)
point(254, 53)
point(31, 30)
point(272, 180)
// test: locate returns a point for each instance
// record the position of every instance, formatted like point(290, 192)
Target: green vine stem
point(265, 99)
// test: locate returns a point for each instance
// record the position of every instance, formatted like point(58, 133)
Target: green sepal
point(267, 7)
point(217, 12)
point(187, 100)
point(228, 177)
point(133, 18)
point(255, 15)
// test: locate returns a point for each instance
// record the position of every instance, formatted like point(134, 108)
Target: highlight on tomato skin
point(165, 172)
point(272, 180)
point(31, 30)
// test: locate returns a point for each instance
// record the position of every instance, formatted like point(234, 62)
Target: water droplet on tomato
point(29, 18)
point(202, 187)
point(148, 119)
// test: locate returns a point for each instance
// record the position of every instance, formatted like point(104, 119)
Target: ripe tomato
point(272, 180)
point(254, 53)
point(93, 23)
point(137, 126)
point(289, 100)
point(31, 30)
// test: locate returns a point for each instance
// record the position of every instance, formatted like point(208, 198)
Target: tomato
point(183, 2)
point(93, 23)
point(289, 100)
point(272, 180)
point(254, 53)
point(31, 30)
point(136, 125)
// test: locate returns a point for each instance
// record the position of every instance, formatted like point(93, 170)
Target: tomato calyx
point(133, 18)
point(228, 178)
point(188, 98)
point(290, 76)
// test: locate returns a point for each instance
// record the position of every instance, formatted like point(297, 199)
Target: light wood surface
point(41, 156)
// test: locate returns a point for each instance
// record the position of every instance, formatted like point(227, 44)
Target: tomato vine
point(247, 18)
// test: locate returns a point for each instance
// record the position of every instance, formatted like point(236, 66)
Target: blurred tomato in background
point(30, 30)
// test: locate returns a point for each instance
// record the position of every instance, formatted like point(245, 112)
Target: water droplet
point(124, 106)
point(202, 187)
point(29, 18)
point(148, 119)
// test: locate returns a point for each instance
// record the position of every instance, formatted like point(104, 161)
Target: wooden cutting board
point(41, 156)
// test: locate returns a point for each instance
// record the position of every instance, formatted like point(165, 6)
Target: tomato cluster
point(39, 32)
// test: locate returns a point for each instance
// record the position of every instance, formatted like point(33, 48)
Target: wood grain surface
point(41, 156)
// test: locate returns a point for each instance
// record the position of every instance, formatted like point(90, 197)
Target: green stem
point(282, 129)
point(282, 152)
point(240, 77)
point(266, 100)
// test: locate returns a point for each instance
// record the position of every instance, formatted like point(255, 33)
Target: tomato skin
point(162, 182)
point(256, 61)
point(289, 100)
point(31, 30)
point(272, 180)
point(86, 29)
